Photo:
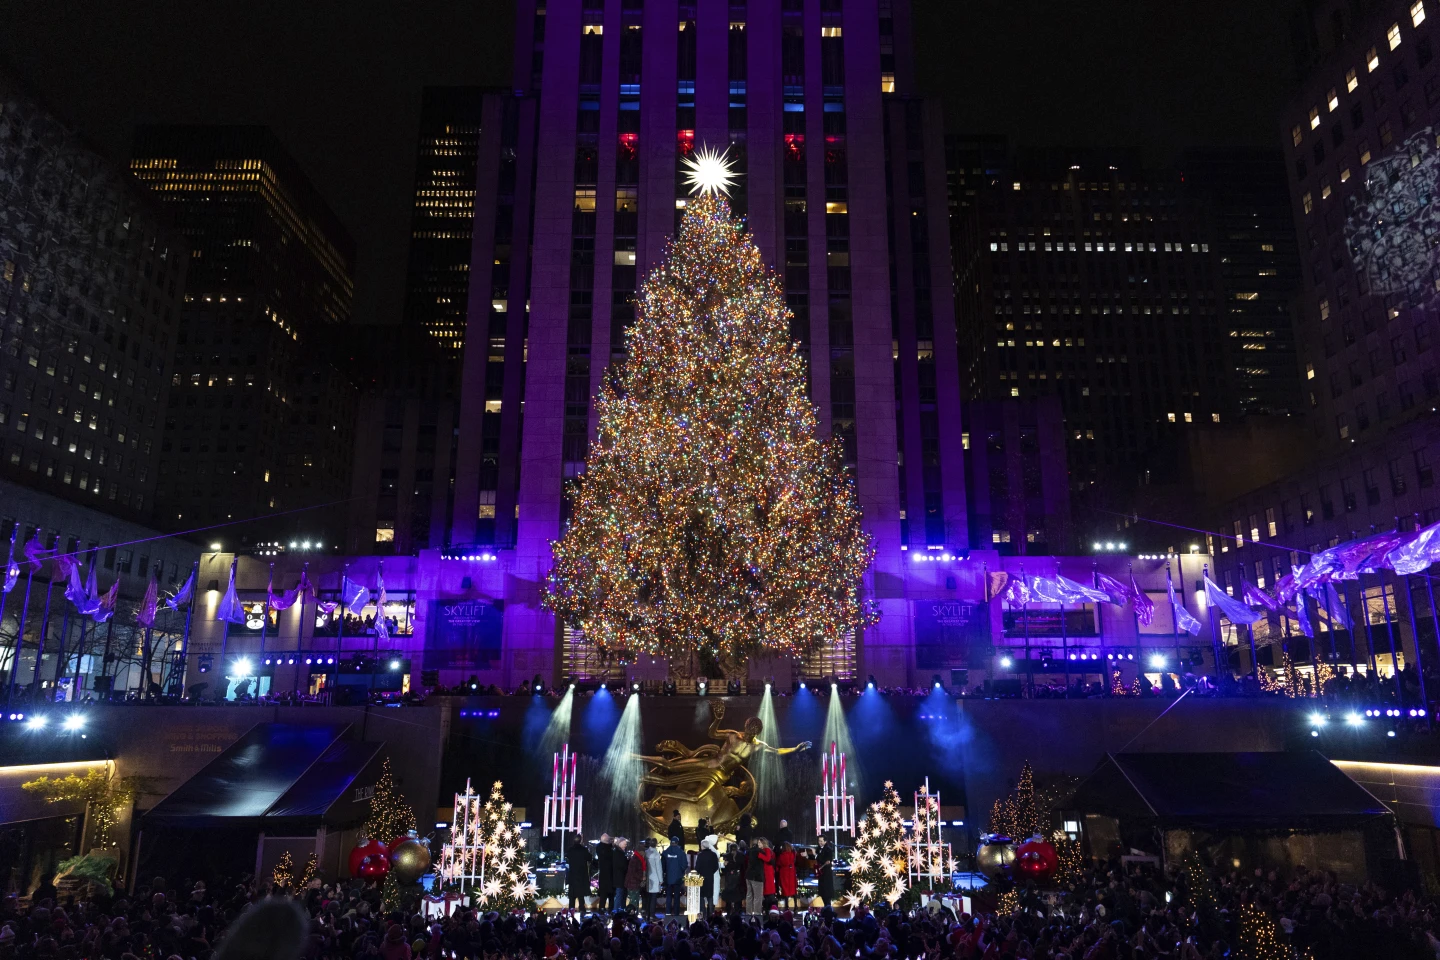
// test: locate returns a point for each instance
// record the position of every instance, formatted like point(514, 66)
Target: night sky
point(340, 82)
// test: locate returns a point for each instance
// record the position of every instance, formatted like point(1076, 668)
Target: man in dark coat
point(577, 874)
point(677, 829)
point(707, 864)
point(746, 829)
point(675, 864)
point(826, 873)
point(782, 835)
point(605, 863)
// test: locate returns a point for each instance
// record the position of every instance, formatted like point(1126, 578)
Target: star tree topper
point(709, 172)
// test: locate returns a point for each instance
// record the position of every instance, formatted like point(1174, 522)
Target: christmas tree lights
point(711, 516)
point(878, 867)
point(1258, 939)
point(507, 885)
point(390, 815)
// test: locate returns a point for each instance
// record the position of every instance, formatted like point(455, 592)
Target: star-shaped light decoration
point(709, 172)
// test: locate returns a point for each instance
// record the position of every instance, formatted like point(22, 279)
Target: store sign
point(950, 633)
point(462, 635)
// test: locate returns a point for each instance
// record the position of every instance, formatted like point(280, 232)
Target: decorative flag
point(1256, 597)
point(183, 597)
point(1183, 619)
point(288, 599)
point(1302, 614)
point(105, 609)
point(1233, 609)
point(1334, 609)
point(230, 609)
point(1016, 593)
point(1416, 555)
point(12, 571)
point(1117, 593)
point(352, 594)
point(1062, 590)
point(35, 551)
point(382, 626)
point(149, 604)
point(1144, 606)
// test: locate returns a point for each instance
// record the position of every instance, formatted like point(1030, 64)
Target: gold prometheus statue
point(711, 782)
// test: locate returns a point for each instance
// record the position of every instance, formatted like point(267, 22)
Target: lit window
point(590, 29)
point(1188, 418)
point(1393, 35)
point(1332, 100)
point(1308, 202)
point(1309, 371)
point(1214, 418)
point(830, 32)
point(1267, 247)
point(1247, 295)
point(1325, 189)
point(1170, 417)
point(1016, 185)
point(887, 83)
point(1324, 309)
point(1351, 81)
point(385, 533)
point(1314, 117)
point(1297, 134)
point(1372, 60)
point(1014, 391)
point(1345, 175)
point(1417, 12)
point(585, 200)
point(1364, 153)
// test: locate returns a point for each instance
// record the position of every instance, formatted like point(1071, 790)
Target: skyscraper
point(437, 281)
point(842, 182)
point(1092, 279)
point(259, 419)
point(1247, 195)
point(91, 280)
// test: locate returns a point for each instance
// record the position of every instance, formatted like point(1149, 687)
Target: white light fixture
point(73, 722)
point(243, 667)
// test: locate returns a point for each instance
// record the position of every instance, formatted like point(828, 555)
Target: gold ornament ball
point(410, 859)
point(993, 859)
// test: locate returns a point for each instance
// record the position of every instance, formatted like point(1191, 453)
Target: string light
point(507, 885)
point(877, 869)
point(390, 815)
point(711, 515)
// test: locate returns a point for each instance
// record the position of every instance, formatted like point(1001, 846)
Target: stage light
point(701, 687)
point(834, 685)
point(394, 664)
point(603, 686)
point(572, 686)
point(244, 668)
point(802, 684)
point(526, 825)
point(1389, 733)
point(732, 687)
point(215, 546)
point(37, 723)
point(870, 683)
point(539, 688)
point(1006, 663)
point(668, 688)
point(441, 825)
point(1354, 719)
point(73, 722)
point(1317, 720)
point(1314, 733)
point(635, 686)
point(935, 679)
point(1157, 661)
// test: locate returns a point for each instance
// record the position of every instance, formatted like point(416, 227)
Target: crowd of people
point(1104, 912)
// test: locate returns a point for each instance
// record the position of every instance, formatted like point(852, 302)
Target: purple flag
point(1144, 606)
point(1062, 590)
point(149, 604)
point(1256, 597)
point(183, 597)
point(1016, 593)
point(1183, 619)
point(1119, 594)
point(230, 608)
point(1233, 609)
point(1416, 554)
point(105, 609)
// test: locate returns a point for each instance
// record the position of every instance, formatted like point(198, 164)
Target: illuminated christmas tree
point(390, 815)
point(1199, 888)
point(284, 871)
point(877, 869)
point(712, 516)
point(507, 885)
point(1258, 937)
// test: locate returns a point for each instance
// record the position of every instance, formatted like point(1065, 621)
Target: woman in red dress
point(785, 868)
point(766, 856)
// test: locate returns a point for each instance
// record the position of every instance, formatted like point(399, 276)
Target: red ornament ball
point(375, 868)
point(368, 848)
point(1037, 860)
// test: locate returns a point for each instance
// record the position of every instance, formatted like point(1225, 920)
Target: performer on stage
point(607, 858)
point(826, 875)
point(707, 864)
point(577, 873)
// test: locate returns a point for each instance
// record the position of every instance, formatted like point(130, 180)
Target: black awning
point(1228, 792)
point(275, 772)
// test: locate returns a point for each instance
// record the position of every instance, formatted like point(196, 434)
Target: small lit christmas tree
point(1258, 937)
point(878, 869)
point(712, 515)
point(306, 875)
point(390, 815)
point(1199, 887)
point(284, 871)
point(507, 884)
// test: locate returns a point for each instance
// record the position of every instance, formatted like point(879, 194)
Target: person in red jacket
point(634, 877)
point(785, 871)
point(766, 855)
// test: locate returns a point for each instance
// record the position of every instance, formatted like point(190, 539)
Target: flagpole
point(379, 612)
point(1390, 633)
point(1025, 615)
point(265, 626)
point(148, 650)
point(1415, 637)
point(340, 626)
point(1100, 628)
point(1174, 617)
point(79, 659)
point(1135, 619)
point(5, 597)
point(1250, 631)
point(105, 663)
point(189, 615)
point(60, 656)
point(225, 635)
point(1365, 616)
point(303, 589)
point(20, 632)
point(44, 629)
point(1214, 630)
point(1330, 626)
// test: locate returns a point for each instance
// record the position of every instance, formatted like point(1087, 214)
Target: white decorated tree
point(878, 869)
point(507, 885)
